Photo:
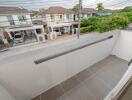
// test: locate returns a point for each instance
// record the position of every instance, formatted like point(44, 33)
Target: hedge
point(111, 23)
point(87, 29)
point(108, 23)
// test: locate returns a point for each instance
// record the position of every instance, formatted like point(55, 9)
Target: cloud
point(36, 4)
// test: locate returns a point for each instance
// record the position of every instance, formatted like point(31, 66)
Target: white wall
point(57, 19)
point(4, 94)
point(25, 80)
point(17, 22)
point(4, 21)
point(123, 47)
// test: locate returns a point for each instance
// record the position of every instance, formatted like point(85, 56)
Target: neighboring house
point(105, 12)
point(59, 20)
point(86, 13)
point(16, 24)
point(89, 12)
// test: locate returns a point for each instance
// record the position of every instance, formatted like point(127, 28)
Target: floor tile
point(37, 98)
point(53, 94)
point(80, 92)
point(97, 87)
point(70, 83)
point(84, 75)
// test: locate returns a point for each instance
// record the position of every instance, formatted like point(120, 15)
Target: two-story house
point(59, 20)
point(16, 26)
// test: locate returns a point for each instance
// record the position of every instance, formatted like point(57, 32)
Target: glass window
point(22, 18)
point(67, 16)
point(39, 31)
point(52, 17)
point(10, 20)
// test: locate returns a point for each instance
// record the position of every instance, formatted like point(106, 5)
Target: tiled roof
point(12, 10)
point(89, 10)
point(57, 10)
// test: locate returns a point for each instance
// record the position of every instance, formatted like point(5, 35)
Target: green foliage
point(127, 9)
point(107, 23)
point(76, 8)
point(34, 13)
point(84, 22)
point(100, 7)
point(111, 23)
point(125, 14)
point(87, 29)
point(89, 21)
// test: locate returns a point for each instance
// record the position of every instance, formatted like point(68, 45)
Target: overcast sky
point(37, 4)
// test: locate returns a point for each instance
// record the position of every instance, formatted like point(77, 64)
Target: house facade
point(59, 20)
point(16, 26)
point(86, 13)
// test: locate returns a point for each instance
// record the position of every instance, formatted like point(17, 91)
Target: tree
point(100, 7)
point(76, 8)
point(34, 13)
point(127, 9)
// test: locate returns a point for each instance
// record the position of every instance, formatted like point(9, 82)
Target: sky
point(37, 4)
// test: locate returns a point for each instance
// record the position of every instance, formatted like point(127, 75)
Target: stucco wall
point(123, 47)
point(4, 94)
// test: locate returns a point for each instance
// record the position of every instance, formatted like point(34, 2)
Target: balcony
point(94, 67)
point(93, 83)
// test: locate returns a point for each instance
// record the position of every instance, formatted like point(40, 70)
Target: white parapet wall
point(4, 94)
point(123, 47)
point(25, 80)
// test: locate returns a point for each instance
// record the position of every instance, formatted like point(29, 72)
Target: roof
point(56, 10)
point(108, 10)
point(12, 10)
point(89, 10)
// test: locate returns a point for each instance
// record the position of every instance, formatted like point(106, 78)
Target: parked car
point(18, 38)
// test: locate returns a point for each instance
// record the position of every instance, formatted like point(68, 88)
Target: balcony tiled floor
point(94, 83)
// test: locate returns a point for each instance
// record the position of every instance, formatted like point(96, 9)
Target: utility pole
point(79, 18)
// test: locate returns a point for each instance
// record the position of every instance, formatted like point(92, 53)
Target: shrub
point(87, 29)
point(103, 24)
point(111, 23)
point(84, 22)
point(89, 21)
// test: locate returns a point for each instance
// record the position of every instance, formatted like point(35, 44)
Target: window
point(88, 15)
point(22, 18)
point(60, 16)
point(39, 31)
point(67, 16)
point(52, 17)
point(10, 20)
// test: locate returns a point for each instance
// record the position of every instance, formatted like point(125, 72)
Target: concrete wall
point(4, 95)
point(25, 80)
point(4, 21)
point(123, 47)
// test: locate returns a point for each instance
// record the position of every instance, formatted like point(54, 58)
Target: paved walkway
point(93, 83)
